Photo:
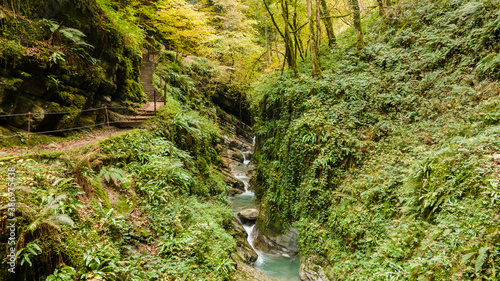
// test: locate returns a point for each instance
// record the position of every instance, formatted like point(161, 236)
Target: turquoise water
point(279, 267)
point(275, 266)
point(242, 202)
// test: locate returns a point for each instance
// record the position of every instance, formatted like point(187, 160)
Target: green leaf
point(481, 258)
point(62, 219)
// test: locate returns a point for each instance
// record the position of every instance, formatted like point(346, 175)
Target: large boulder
point(248, 216)
point(311, 272)
point(282, 244)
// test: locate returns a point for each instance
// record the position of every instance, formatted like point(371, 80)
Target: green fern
point(489, 64)
point(113, 175)
point(72, 34)
point(48, 215)
point(481, 258)
point(26, 254)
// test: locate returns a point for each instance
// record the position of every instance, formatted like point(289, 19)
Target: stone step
point(139, 117)
point(146, 113)
point(128, 124)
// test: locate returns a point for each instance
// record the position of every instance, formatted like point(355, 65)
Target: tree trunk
point(289, 49)
point(312, 41)
point(318, 36)
point(290, 57)
point(357, 23)
point(327, 21)
point(296, 33)
point(381, 10)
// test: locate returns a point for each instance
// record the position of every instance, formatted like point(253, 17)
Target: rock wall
point(283, 244)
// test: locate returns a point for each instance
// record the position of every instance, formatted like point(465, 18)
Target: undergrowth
point(144, 205)
point(388, 163)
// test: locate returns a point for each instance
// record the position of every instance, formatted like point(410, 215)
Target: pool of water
point(279, 267)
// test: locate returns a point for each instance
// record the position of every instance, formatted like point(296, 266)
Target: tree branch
point(272, 19)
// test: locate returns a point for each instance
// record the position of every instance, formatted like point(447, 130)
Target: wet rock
point(38, 113)
point(249, 155)
point(107, 98)
point(34, 86)
point(277, 244)
point(248, 216)
point(253, 179)
point(52, 146)
point(311, 272)
point(107, 88)
point(244, 251)
point(234, 144)
point(234, 191)
point(247, 272)
point(32, 67)
point(237, 156)
point(233, 182)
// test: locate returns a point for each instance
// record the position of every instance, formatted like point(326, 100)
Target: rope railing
point(60, 130)
point(27, 134)
point(58, 113)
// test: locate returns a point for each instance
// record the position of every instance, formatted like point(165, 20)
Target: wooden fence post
point(107, 117)
point(165, 93)
point(29, 128)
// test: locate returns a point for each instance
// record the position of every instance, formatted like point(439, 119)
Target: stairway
point(149, 61)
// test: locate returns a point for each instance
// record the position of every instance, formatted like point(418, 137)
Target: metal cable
point(62, 112)
point(60, 130)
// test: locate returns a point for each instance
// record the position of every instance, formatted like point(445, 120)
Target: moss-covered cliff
point(64, 56)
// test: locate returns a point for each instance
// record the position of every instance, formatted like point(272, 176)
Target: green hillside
point(388, 162)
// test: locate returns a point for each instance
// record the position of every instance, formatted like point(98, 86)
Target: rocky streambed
point(275, 257)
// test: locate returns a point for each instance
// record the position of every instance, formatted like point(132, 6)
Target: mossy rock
point(86, 121)
point(74, 251)
point(237, 156)
point(69, 99)
point(122, 206)
point(133, 91)
point(100, 193)
point(12, 84)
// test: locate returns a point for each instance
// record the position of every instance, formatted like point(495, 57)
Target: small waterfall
point(245, 161)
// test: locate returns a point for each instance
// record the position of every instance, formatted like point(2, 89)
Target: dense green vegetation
point(379, 140)
point(150, 204)
point(144, 205)
point(69, 55)
point(64, 57)
point(387, 162)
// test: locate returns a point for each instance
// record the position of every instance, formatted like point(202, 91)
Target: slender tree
point(318, 36)
point(381, 11)
point(290, 54)
point(314, 39)
point(327, 21)
point(357, 23)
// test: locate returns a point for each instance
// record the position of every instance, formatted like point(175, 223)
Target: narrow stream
point(275, 266)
